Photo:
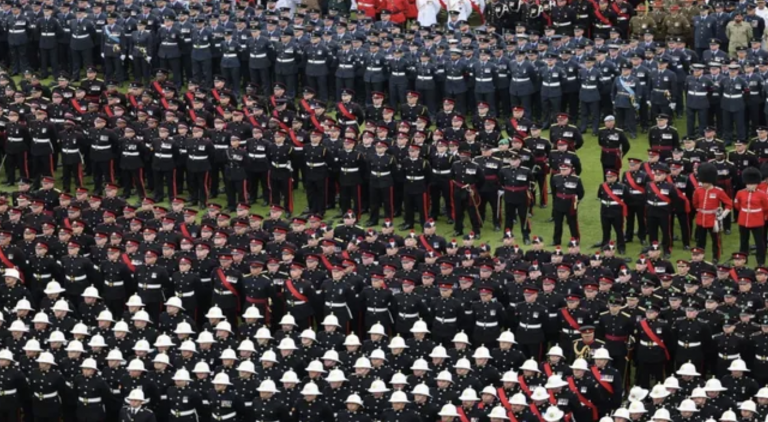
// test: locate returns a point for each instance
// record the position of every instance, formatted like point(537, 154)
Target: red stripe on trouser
point(453, 205)
point(80, 180)
point(425, 202)
point(245, 191)
point(290, 194)
point(141, 182)
point(391, 203)
point(544, 191)
point(26, 165)
point(359, 204)
point(111, 171)
point(50, 158)
point(173, 183)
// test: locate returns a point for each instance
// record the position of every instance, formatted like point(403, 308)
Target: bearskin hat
point(708, 173)
point(751, 176)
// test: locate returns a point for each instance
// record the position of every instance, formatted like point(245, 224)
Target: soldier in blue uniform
point(202, 68)
point(49, 30)
point(552, 78)
point(626, 94)
point(81, 44)
point(288, 57)
point(169, 41)
point(608, 72)
point(398, 81)
point(317, 57)
point(230, 61)
point(17, 25)
point(455, 82)
point(697, 88)
point(374, 74)
point(732, 91)
point(114, 46)
point(643, 75)
point(704, 29)
point(523, 77)
point(141, 51)
point(346, 63)
point(589, 95)
point(663, 85)
point(484, 73)
point(754, 98)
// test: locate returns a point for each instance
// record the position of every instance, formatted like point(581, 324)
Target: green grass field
point(589, 208)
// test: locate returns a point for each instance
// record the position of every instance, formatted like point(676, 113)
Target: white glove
point(649, 103)
point(149, 59)
point(130, 57)
point(672, 105)
point(102, 55)
point(724, 214)
point(122, 57)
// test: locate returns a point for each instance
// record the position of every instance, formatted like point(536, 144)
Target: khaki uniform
point(739, 35)
point(677, 25)
point(690, 12)
point(641, 23)
point(658, 16)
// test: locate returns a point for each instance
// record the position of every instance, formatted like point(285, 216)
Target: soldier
point(466, 178)
point(551, 78)
point(417, 176)
point(754, 100)
point(141, 49)
point(484, 74)
point(235, 173)
point(752, 204)
point(381, 165)
point(614, 145)
point(589, 95)
point(732, 89)
point(515, 180)
point(523, 78)
point(663, 138)
point(44, 137)
point(641, 23)
point(230, 61)
point(169, 50)
point(455, 84)
point(281, 185)
point(81, 45)
point(48, 30)
point(318, 160)
point(612, 195)
point(697, 87)
point(653, 339)
point(708, 209)
point(567, 190)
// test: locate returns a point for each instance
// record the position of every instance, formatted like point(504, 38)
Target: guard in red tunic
point(712, 204)
point(752, 206)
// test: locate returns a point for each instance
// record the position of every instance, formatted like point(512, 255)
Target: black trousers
point(656, 222)
point(370, 88)
point(429, 99)
point(215, 174)
point(316, 191)
point(133, 178)
point(573, 225)
point(635, 213)
point(381, 198)
point(164, 178)
point(113, 68)
point(613, 222)
point(517, 211)
point(49, 58)
point(685, 227)
point(701, 241)
point(175, 65)
point(692, 115)
point(397, 93)
point(490, 199)
point(320, 85)
point(549, 108)
point(198, 186)
point(80, 59)
point(571, 106)
point(103, 172)
point(523, 101)
point(438, 190)
point(590, 116)
point(281, 190)
point(416, 202)
point(344, 83)
point(649, 374)
point(488, 97)
point(731, 119)
point(16, 161)
point(141, 69)
point(202, 70)
point(290, 81)
point(42, 165)
point(627, 120)
point(232, 75)
point(236, 192)
point(73, 171)
point(19, 62)
point(758, 234)
point(186, 70)
point(349, 195)
point(463, 203)
point(460, 99)
point(256, 180)
point(263, 79)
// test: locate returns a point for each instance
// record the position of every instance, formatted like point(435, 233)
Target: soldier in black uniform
point(489, 191)
point(381, 165)
point(235, 173)
point(164, 152)
point(653, 338)
point(17, 144)
point(280, 183)
point(103, 142)
point(350, 164)
point(466, 178)
point(417, 174)
point(318, 159)
point(660, 195)
point(516, 181)
point(613, 197)
point(567, 191)
point(199, 157)
point(613, 143)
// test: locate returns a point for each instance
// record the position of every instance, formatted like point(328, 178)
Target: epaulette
point(739, 335)
point(717, 335)
point(597, 340)
point(496, 158)
point(626, 314)
point(619, 129)
point(524, 167)
point(604, 313)
point(658, 297)
point(756, 334)
point(99, 80)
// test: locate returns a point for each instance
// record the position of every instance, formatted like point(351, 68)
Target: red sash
point(184, 230)
point(631, 181)
point(108, 111)
point(157, 87)
point(599, 15)
point(295, 141)
point(77, 106)
point(326, 263)
point(132, 99)
point(227, 285)
point(618, 11)
point(193, 115)
point(316, 124)
point(582, 399)
point(190, 97)
point(734, 276)
point(513, 122)
point(654, 338)
point(426, 244)
point(216, 95)
point(694, 181)
point(552, 399)
point(647, 168)
point(128, 262)
point(615, 197)
point(476, 8)
point(7, 262)
point(505, 402)
point(346, 113)
point(604, 384)
point(165, 104)
point(67, 223)
point(656, 190)
point(548, 369)
point(282, 125)
point(462, 416)
point(305, 105)
point(220, 111)
point(294, 292)
point(569, 319)
point(523, 385)
point(272, 100)
point(535, 411)
point(250, 117)
point(681, 196)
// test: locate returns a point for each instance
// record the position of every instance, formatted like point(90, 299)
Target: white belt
point(298, 148)
point(552, 315)
point(43, 276)
point(521, 79)
point(101, 147)
point(114, 283)
point(381, 174)
point(483, 79)
point(257, 155)
point(86, 400)
point(455, 78)
point(248, 404)
point(634, 192)
point(732, 96)
point(75, 151)
point(648, 343)
point(707, 211)
point(697, 94)
point(41, 141)
point(487, 324)
point(187, 39)
point(377, 310)
point(445, 320)
point(77, 278)
point(762, 358)
point(409, 316)
point(169, 43)
point(551, 83)
point(530, 326)
point(686, 344)
point(350, 169)
point(286, 60)
point(15, 139)
point(335, 305)
point(588, 87)
point(609, 202)
point(164, 397)
point(259, 56)
point(185, 294)
point(224, 417)
point(146, 286)
point(398, 73)
point(48, 34)
point(81, 36)
point(621, 18)
point(219, 146)
point(346, 66)
point(424, 77)
point(205, 280)
point(441, 171)
point(280, 166)
point(57, 120)
point(230, 55)
point(605, 78)
point(129, 154)
point(317, 62)
point(8, 392)
point(562, 23)
point(414, 178)
point(571, 78)
point(202, 46)
point(313, 165)
point(182, 413)
point(197, 157)
point(569, 331)
point(729, 357)
point(582, 16)
point(116, 391)
point(751, 210)
point(222, 292)
point(161, 155)
point(374, 69)
point(43, 396)
point(657, 204)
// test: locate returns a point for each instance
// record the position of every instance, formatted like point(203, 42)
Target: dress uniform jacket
point(375, 65)
point(201, 44)
point(732, 93)
point(169, 41)
point(48, 30)
point(141, 414)
point(82, 33)
point(697, 90)
point(455, 72)
point(552, 79)
point(92, 393)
